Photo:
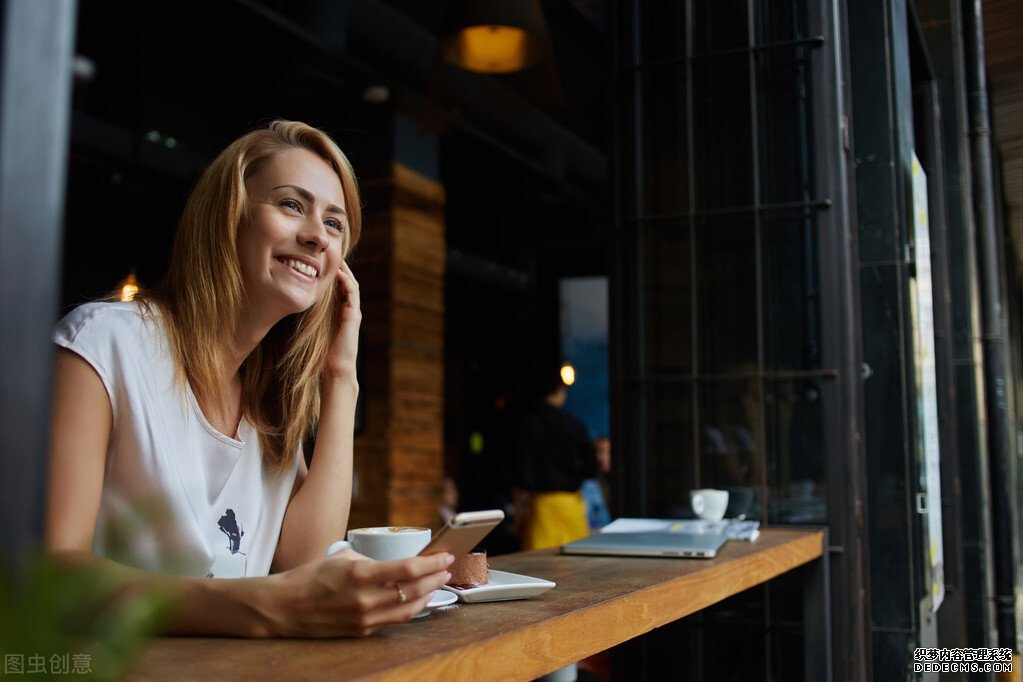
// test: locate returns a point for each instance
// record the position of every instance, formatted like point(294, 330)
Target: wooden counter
point(598, 603)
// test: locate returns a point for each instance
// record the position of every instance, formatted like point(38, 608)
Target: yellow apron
point(554, 519)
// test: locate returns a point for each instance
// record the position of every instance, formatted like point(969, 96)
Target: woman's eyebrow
point(308, 196)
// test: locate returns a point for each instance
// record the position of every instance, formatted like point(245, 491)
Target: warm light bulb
point(493, 49)
point(129, 286)
point(567, 374)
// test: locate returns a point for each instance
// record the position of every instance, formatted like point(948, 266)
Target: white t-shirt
point(179, 497)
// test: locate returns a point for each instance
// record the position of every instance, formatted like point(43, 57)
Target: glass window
point(779, 20)
point(726, 294)
point(722, 132)
point(791, 290)
point(669, 451)
point(732, 439)
point(627, 137)
point(785, 125)
point(664, 142)
point(667, 298)
point(728, 285)
point(663, 25)
point(794, 411)
point(719, 25)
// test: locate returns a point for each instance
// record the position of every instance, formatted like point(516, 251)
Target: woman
point(178, 419)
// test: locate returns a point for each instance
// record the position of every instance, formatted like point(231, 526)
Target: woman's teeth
point(307, 270)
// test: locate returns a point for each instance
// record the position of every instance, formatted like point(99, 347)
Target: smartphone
point(464, 532)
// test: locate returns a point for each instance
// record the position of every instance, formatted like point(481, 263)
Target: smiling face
point(294, 234)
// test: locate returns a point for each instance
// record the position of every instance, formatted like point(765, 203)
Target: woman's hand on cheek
point(345, 596)
point(345, 347)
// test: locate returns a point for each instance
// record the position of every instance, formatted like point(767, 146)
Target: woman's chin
point(282, 308)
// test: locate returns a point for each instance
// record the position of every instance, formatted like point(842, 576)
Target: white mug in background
point(709, 504)
point(386, 543)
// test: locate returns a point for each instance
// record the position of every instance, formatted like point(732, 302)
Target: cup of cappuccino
point(709, 504)
point(385, 543)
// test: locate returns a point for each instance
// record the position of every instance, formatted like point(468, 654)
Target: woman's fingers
point(345, 345)
point(348, 285)
point(353, 595)
point(383, 584)
point(402, 570)
point(417, 593)
point(420, 588)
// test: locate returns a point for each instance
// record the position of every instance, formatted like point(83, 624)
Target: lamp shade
point(493, 36)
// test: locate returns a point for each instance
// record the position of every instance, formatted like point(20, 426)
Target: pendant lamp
point(494, 36)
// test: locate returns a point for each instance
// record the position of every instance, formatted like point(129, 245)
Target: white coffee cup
point(385, 543)
point(709, 504)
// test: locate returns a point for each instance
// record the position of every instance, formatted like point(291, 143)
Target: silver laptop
point(649, 543)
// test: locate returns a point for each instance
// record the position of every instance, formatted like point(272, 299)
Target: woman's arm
point(330, 597)
point(80, 429)
point(343, 595)
point(318, 513)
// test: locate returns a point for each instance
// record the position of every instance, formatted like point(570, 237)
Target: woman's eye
point(334, 224)
point(291, 203)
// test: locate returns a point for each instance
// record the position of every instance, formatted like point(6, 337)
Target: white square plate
point(503, 586)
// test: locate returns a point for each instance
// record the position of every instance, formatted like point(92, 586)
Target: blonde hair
point(202, 295)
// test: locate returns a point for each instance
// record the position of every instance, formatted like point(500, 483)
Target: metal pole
point(995, 390)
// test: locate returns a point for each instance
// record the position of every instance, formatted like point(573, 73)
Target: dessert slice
point(469, 571)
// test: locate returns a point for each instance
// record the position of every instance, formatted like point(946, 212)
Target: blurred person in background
point(596, 490)
point(551, 456)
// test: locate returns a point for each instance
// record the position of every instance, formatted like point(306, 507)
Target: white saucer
point(503, 586)
point(440, 598)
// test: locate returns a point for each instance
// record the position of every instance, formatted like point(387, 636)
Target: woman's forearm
point(199, 606)
point(341, 596)
point(318, 513)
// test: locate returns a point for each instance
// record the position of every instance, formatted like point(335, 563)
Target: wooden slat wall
point(400, 264)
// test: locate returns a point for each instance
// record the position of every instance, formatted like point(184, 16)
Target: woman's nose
point(314, 234)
